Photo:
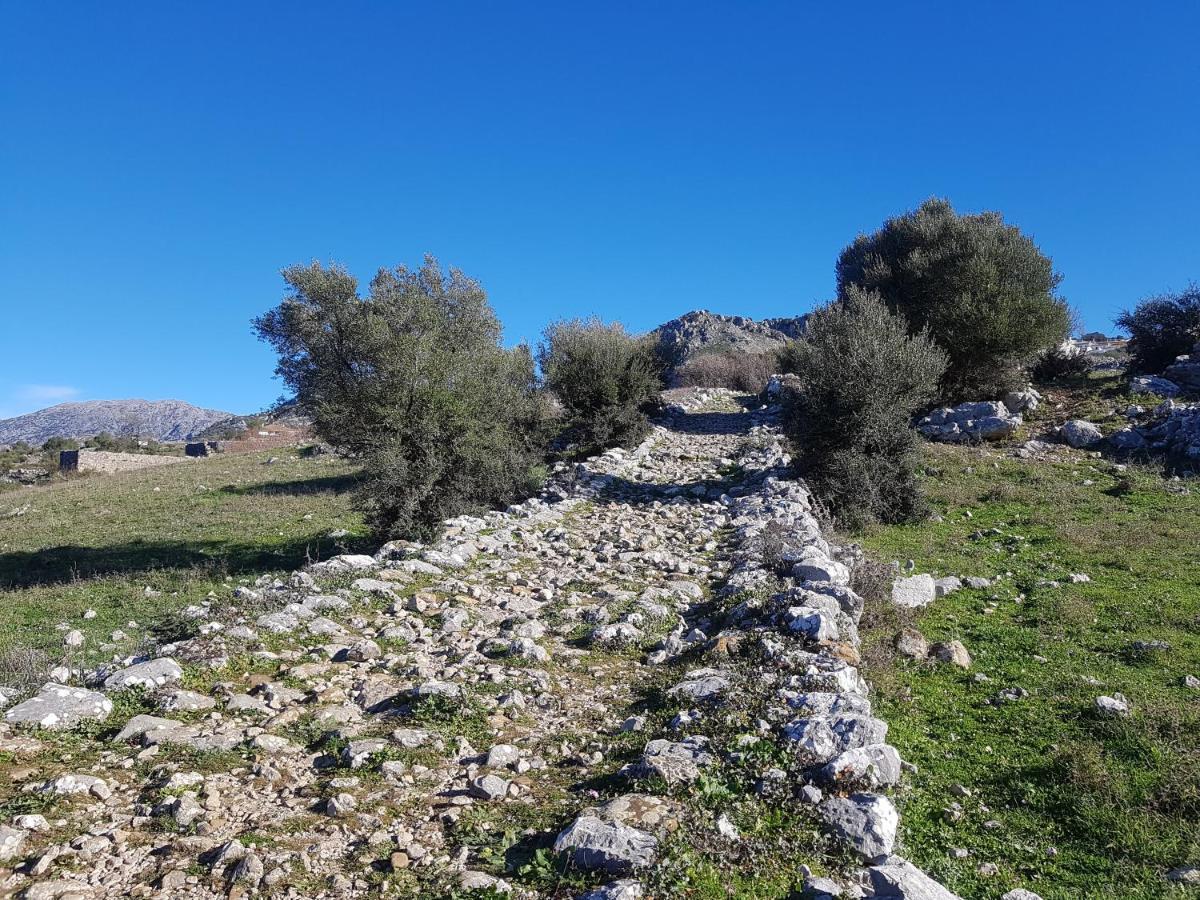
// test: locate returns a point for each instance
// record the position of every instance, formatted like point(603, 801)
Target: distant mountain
point(701, 331)
point(160, 420)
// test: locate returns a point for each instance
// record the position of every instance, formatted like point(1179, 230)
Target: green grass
point(1065, 802)
point(97, 542)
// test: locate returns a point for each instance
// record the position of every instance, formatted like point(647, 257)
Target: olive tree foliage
point(860, 377)
point(605, 379)
point(984, 290)
point(1162, 328)
point(413, 379)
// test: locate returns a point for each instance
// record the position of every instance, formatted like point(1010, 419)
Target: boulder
point(595, 844)
point(1018, 402)
point(989, 420)
point(1153, 384)
point(1116, 706)
point(625, 889)
point(676, 761)
point(152, 674)
point(914, 591)
point(488, 787)
point(58, 706)
point(952, 652)
point(1080, 433)
point(867, 822)
point(1128, 440)
point(864, 768)
point(897, 878)
point(11, 840)
point(911, 643)
point(702, 684)
point(947, 585)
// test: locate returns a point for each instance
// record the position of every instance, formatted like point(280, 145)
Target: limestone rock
point(57, 706)
point(914, 592)
point(606, 846)
point(867, 822)
point(152, 674)
point(1079, 433)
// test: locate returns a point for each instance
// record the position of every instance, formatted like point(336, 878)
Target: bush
point(604, 377)
point(1057, 363)
point(746, 372)
point(1162, 328)
point(413, 379)
point(788, 357)
point(982, 288)
point(861, 377)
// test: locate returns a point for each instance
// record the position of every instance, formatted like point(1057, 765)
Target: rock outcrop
point(701, 331)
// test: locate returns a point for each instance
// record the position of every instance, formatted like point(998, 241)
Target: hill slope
point(161, 420)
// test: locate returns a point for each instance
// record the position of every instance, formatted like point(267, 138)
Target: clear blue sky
point(161, 161)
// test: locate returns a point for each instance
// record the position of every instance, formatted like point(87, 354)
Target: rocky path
point(640, 684)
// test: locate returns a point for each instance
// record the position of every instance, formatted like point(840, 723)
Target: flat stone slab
point(58, 706)
point(897, 878)
point(152, 674)
point(915, 591)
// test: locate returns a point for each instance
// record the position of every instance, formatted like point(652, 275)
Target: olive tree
point(860, 376)
point(413, 379)
point(605, 379)
point(984, 290)
point(1162, 328)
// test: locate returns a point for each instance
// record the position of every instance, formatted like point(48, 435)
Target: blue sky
point(161, 161)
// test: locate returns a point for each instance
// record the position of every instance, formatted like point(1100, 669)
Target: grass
point(1063, 801)
point(100, 541)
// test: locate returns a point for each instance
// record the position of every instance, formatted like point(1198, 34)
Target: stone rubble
point(365, 714)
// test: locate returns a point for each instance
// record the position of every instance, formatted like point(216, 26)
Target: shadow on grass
point(327, 484)
point(68, 563)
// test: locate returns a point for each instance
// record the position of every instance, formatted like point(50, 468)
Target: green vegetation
point(982, 288)
point(605, 379)
point(1161, 328)
point(413, 379)
point(861, 376)
point(138, 546)
point(1064, 801)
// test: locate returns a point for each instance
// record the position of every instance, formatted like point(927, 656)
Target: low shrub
point(1162, 328)
point(861, 376)
point(1056, 364)
point(605, 378)
point(747, 372)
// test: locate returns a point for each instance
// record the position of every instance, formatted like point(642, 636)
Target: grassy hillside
point(138, 545)
point(1060, 799)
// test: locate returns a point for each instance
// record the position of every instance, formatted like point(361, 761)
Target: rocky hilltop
point(160, 420)
point(701, 331)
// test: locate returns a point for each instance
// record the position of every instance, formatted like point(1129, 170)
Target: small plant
point(22, 668)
